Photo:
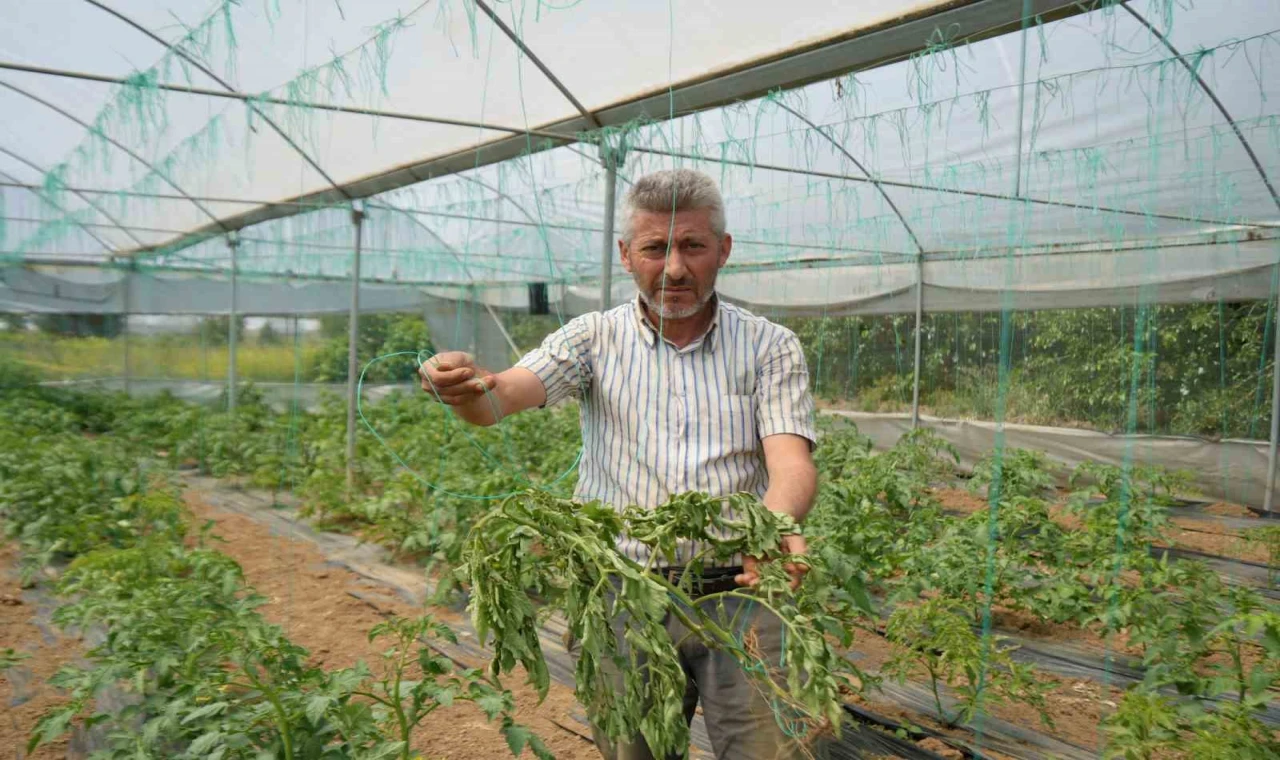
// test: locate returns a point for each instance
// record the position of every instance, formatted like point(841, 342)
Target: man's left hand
point(793, 544)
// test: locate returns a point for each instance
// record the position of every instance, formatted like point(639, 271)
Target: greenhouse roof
point(1070, 156)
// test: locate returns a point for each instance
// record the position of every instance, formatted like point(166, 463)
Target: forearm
point(480, 411)
point(792, 488)
point(492, 398)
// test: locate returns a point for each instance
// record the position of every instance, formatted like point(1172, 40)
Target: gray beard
point(671, 312)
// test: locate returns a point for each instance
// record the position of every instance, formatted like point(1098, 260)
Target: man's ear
point(726, 244)
point(623, 249)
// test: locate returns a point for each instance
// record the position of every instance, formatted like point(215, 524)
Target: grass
point(179, 357)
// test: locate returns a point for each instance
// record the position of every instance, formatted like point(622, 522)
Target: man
point(679, 392)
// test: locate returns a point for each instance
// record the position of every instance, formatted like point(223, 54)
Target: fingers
point(448, 360)
point(462, 392)
point(750, 574)
point(797, 573)
point(451, 377)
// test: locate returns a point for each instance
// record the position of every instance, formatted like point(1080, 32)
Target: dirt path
point(25, 627)
point(312, 600)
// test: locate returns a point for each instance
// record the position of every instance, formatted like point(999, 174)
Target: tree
point(269, 335)
point(13, 322)
point(98, 325)
point(380, 335)
point(213, 331)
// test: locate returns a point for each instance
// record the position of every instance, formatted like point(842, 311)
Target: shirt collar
point(711, 338)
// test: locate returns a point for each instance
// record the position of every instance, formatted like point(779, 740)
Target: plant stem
point(397, 701)
point(937, 698)
point(281, 719)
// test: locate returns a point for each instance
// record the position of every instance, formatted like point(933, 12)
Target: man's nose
point(675, 267)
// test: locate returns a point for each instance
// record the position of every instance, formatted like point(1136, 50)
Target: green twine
point(1267, 338)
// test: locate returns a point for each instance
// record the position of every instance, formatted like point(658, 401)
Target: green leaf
point(492, 704)
point(517, 737)
point(204, 743)
point(540, 749)
point(316, 707)
point(213, 708)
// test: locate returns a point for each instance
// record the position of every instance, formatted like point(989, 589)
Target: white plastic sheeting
point(1228, 470)
point(1104, 142)
point(1227, 266)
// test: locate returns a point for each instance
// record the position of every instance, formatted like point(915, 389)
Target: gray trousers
point(740, 720)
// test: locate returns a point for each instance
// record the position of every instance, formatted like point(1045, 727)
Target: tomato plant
point(934, 636)
point(565, 554)
point(1269, 537)
point(1021, 473)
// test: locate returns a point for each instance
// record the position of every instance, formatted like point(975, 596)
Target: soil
point(1205, 536)
point(1075, 706)
point(1225, 509)
point(959, 500)
point(1212, 538)
point(25, 688)
point(311, 601)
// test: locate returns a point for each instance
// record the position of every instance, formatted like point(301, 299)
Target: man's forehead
point(659, 223)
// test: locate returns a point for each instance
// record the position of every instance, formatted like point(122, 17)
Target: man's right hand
point(455, 379)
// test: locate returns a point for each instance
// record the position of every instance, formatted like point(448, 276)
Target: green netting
point(1084, 208)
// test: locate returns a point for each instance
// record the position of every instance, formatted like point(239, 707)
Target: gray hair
point(673, 190)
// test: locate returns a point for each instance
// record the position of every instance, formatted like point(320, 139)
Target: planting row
point(184, 646)
point(887, 560)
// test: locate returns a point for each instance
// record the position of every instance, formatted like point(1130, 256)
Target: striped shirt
point(658, 420)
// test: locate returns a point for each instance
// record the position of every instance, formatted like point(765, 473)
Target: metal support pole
point(353, 335)
point(612, 157)
point(915, 380)
point(1275, 421)
point(127, 308)
point(233, 316)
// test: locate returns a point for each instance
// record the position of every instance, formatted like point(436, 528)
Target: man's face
point(674, 283)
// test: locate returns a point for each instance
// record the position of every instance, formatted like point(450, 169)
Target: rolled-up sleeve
point(563, 361)
point(783, 401)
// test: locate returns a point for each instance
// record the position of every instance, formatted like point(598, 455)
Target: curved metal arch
point(523, 211)
point(496, 191)
point(519, 43)
point(447, 246)
point(1222, 109)
point(199, 66)
point(409, 215)
point(82, 196)
point(836, 144)
point(116, 143)
point(107, 246)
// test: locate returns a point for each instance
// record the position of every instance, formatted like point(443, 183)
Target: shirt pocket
point(737, 424)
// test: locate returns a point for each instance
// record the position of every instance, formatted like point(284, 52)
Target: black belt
point(714, 580)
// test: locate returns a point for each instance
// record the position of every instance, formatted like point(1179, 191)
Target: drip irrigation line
point(251, 99)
